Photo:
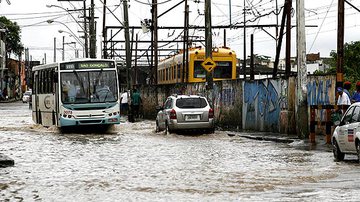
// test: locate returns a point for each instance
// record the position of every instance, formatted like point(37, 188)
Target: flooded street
point(133, 163)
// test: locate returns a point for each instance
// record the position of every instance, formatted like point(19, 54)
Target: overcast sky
point(38, 35)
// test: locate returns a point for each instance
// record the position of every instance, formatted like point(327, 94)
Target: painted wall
point(261, 105)
point(321, 91)
point(263, 102)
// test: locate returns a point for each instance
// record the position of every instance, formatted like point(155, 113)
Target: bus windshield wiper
point(80, 81)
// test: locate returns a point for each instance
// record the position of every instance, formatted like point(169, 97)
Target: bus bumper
point(77, 122)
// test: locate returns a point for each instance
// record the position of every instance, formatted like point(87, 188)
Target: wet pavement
point(133, 163)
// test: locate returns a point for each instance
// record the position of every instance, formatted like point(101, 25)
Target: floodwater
point(133, 163)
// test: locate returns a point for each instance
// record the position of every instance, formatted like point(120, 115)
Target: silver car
point(185, 112)
point(27, 96)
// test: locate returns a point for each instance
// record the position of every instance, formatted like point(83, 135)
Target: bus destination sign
point(86, 65)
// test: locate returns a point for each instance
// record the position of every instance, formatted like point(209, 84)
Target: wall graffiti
point(262, 108)
point(320, 91)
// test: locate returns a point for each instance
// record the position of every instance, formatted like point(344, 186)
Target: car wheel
point(338, 155)
point(167, 129)
point(358, 151)
point(157, 129)
point(210, 131)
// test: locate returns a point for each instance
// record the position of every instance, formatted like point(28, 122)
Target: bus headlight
point(113, 120)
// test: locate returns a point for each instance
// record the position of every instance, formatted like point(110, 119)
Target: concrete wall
point(321, 91)
point(263, 102)
point(261, 105)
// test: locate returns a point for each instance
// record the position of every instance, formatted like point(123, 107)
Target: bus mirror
point(55, 78)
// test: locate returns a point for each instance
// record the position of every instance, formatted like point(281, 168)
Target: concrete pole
point(104, 30)
point(92, 31)
point(128, 57)
point(288, 38)
point(301, 95)
point(63, 49)
point(155, 41)
point(86, 36)
point(244, 62)
point(54, 49)
point(340, 45)
point(208, 41)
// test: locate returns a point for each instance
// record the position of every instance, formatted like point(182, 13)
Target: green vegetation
point(13, 38)
point(351, 62)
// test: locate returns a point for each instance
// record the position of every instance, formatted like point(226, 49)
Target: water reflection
point(132, 162)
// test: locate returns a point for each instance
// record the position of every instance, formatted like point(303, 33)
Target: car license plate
point(192, 117)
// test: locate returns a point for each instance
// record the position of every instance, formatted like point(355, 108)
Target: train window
point(167, 74)
point(179, 71)
point(223, 70)
point(173, 72)
point(199, 71)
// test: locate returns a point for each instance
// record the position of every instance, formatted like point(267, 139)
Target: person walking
point(343, 100)
point(124, 105)
point(135, 103)
point(347, 86)
point(356, 95)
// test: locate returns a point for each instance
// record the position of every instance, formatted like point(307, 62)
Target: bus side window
point(47, 83)
point(40, 83)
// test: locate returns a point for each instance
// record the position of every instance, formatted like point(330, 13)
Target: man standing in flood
point(135, 103)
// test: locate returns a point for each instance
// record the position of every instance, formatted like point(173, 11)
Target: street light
point(83, 28)
point(71, 35)
point(63, 47)
point(68, 11)
point(52, 21)
point(76, 38)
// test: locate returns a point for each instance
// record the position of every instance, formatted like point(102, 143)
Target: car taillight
point(211, 113)
point(173, 114)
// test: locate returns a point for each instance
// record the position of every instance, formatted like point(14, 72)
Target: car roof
point(186, 96)
point(356, 104)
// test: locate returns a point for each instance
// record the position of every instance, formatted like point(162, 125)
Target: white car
point(185, 112)
point(27, 96)
point(346, 136)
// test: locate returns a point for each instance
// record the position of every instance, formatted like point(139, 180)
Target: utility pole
point(92, 31)
point(279, 44)
point(208, 41)
point(86, 36)
point(63, 49)
point(104, 30)
point(252, 65)
point(155, 41)
point(128, 57)
point(185, 45)
point(54, 49)
point(288, 39)
point(340, 45)
point(301, 99)
point(244, 62)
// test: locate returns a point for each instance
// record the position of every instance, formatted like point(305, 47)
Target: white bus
point(75, 93)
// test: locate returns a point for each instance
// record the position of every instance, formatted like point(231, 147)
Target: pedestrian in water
point(135, 103)
point(343, 100)
point(356, 96)
point(347, 86)
point(124, 105)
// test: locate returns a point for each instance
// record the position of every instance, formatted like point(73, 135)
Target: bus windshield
point(88, 87)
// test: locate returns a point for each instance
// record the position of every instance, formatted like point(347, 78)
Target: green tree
point(351, 62)
point(13, 38)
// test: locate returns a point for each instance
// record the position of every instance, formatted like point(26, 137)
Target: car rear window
point(187, 103)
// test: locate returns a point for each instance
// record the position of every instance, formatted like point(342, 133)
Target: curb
point(266, 138)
